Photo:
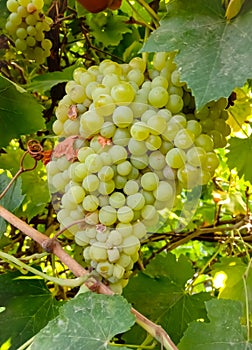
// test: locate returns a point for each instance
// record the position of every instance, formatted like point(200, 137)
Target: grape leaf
point(237, 283)
point(214, 55)
point(87, 322)
point(34, 183)
point(20, 113)
point(239, 156)
point(28, 307)
point(12, 199)
point(46, 81)
point(162, 283)
point(223, 332)
point(111, 32)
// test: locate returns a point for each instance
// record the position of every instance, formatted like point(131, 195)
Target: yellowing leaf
point(233, 8)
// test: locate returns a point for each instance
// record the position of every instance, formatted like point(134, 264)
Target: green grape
point(122, 116)
point(212, 162)
point(136, 201)
point(20, 44)
point(104, 105)
point(148, 196)
point(21, 33)
point(77, 193)
point(120, 181)
point(83, 152)
point(108, 129)
point(114, 239)
point(91, 183)
point(189, 176)
point(122, 93)
point(105, 269)
point(157, 124)
point(80, 171)
point(139, 229)
point(38, 3)
point(218, 138)
point(136, 75)
point(30, 41)
point(175, 103)
point(158, 96)
point(149, 181)
point(137, 148)
point(107, 215)
point(91, 123)
point(159, 60)
point(140, 162)
point(113, 256)
point(125, 229)
point(139, 131)
point(176, 158)
point(94, 163)
point(90, 203)
point(131, 187)
point(98, 253)
point(125, 214)
point(157, 160)
point(12, 5)
point(148, 212)
point(81, 238)
point(47, 45)
point(130, 245)
point(184, 139)
point(175, 78)
point(106, 173)
point(138, 63)
point(106, 187)
point(196, 156)
point(121, 137)
point(117, 200)
point(204, 141)
point(164, 191)
point(153, 142)
point(118, 154)
point(194, 127)
point(124, 168)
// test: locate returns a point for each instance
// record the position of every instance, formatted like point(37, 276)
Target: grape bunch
point(127, 154)
point(27, 26)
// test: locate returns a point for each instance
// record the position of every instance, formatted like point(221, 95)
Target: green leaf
point(28, 307)
point(237, 281)
point(12, 199)
point(223, 332)
point(87, 322)
point(214, 55)
point(159, 293)
point(239, 156)
point(34, 183)
point(111, 32)
point(4, 14)
point(20, 113)
point(46, 81)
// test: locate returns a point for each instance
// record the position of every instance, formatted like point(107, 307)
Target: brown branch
point(54, 247)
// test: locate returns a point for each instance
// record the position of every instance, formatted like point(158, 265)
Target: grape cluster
point(27, 25)
point(135, 152)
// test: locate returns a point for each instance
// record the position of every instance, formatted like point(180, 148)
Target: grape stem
point(64, 282)
point(153, 329)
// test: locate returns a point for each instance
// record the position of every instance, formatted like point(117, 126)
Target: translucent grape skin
point(140, 150)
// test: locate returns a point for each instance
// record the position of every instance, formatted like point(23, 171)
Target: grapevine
point(133, 142)
point(27, 25)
